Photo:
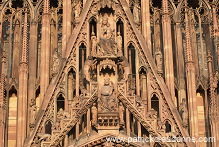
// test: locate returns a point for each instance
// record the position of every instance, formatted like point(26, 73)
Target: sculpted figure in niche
point(106, 45)
point(157, 31)
point(33, 111)
point(56, 62)
point(121, 113)
point(107, 100)
point(184, 112)
point(159, 61)
point(94, 44)
point(119, 44)
point(77, 8)
point(126, 68)
point(87, 65)
point(136, 12)
point(94, 114)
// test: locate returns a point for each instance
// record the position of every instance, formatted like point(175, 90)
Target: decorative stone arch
point(70, 80)
point(120, 17)
point(131, 50)
point(82, 52)
point(155, 103)
point(142, 67)
point(168, 125)
point(48, 126)
point(37, 9)
point(142, 75)
point(71, 67)
point(61, 102)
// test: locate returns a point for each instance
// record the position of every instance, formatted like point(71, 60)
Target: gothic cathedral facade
point(76, 73)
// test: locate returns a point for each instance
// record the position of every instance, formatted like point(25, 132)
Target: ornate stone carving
point(62, 114)
point(152, 114)
point(44, 137)
point(33, 113)
point(106, 45)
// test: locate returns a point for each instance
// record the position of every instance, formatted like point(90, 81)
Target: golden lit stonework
point(109, 73)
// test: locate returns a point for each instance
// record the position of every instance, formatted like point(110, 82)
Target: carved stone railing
point(108, 121)
point(75, 117)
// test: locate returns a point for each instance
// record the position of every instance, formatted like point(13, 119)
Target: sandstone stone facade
point(74, 73)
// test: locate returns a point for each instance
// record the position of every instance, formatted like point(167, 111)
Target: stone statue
point(119, 44)
point(107, 100)
point(157, 31)
point(121, 113)
point(33, 112)
point(56, 62)
point(159, 61)
point(106, 45)
point(184, 112)
point(93, 44)
point(94, 114)
point(77, 8)
point(126, 68)
point(87, 65)
point(136, 12)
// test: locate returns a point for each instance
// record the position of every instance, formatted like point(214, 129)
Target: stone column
point(139, 128)
point(88, 122)
point(66, 29)
point(191, 81)
point(1, 39)
point(146, 24)
point(22, 89)
point(213, 112)
point(180, 62)
point(215, 28)
point(32, 64)
point(128, 122)
point(77, 130)
point(45, 51)
point(168, 50)
point(2, 107)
